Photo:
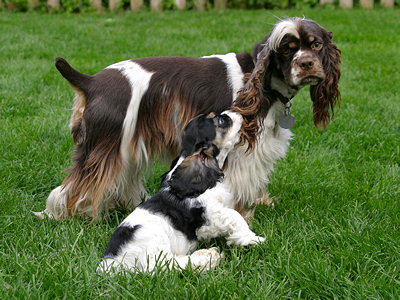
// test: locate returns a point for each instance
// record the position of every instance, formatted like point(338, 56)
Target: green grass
point(334, 232)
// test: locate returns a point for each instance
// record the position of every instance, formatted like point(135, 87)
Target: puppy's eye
point(316, 46)
point(221, 121)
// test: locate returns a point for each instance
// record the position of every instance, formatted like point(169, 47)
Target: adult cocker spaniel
point(135, 110)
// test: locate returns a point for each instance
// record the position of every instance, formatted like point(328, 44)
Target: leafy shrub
point(75, 6)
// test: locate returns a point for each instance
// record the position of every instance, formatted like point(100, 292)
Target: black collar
point(281, 98)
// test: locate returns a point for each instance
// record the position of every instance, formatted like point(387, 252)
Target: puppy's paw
point(248, 240)
point(206, 259)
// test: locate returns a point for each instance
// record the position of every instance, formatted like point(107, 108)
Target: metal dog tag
point(286, 120)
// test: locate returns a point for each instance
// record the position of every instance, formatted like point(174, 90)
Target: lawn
point(334, 232)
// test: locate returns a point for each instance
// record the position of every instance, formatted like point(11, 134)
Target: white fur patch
point(281, 29)
point(235, 74)
point(296, 70)
point(180, 160)
point(139, 80)
point(247, 173)
point(232, 136)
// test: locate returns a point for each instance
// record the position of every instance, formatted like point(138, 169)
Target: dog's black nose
point(306, 63)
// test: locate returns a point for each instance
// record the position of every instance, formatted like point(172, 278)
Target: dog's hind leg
point(131, 191)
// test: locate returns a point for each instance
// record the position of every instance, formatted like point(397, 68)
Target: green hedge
point(76, 6)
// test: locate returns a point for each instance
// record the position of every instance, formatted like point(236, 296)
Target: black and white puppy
point(189, 206)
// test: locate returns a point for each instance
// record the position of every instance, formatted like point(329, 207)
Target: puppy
point(189, 206)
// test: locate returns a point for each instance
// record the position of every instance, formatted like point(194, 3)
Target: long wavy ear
point(252, 101)
point(196, 173)
point(259, 47)
point(326, 95)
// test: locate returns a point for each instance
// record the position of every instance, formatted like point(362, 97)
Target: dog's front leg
point(222, 221)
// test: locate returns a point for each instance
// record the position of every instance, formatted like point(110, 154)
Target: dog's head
point(297, 52)
point(221, 130)
point(206, 142)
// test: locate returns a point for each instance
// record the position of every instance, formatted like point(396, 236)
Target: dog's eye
point(287, 51)
point(316, 46)
point(221, 121)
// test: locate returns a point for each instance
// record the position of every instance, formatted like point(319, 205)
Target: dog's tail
point(78, 80)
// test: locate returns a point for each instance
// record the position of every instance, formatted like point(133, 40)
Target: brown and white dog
point(135, 110)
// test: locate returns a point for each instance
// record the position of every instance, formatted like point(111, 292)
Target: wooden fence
point(156, 5)
point(363, 3)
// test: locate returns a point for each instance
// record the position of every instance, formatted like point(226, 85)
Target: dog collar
point(280, 97)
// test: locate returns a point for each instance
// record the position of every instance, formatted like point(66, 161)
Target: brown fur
point(252, 101)
point(76, 118)
point(91, 181)
point(326, 95)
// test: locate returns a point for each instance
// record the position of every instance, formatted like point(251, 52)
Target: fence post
point(200, 4)
point(113, 4)
point(323, 2)
point(387, 3)
point(181, 4)
point(32, 4)
point(53, 4)
point(136, 5)
point(367, 3)
point(96, 4)
point(155, 5)
point(11, 5)
point(220, 4)
point(346, 3)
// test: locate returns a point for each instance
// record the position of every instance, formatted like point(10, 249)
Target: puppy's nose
point(305, 63)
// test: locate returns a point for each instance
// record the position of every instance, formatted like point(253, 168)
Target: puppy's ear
point(196, 174)
point(199, 130)
point(325, 95)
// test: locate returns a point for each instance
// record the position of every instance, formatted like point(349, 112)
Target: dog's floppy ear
point(196, 173)
point(252, 97)
point(258, 48)
point(325, 95)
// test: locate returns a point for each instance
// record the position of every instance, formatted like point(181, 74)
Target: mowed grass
point(334, 232)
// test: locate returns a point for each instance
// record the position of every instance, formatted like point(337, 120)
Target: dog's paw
point(205, 259)
point(249, 240)
point(44, 214)
point(259, 240)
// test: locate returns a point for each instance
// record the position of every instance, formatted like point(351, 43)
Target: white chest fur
point(247, 173)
